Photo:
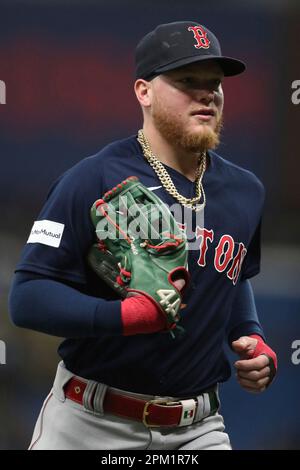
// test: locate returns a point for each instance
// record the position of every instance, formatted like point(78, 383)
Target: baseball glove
point(140, 248)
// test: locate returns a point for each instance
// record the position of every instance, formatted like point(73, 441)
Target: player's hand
point(257, 365)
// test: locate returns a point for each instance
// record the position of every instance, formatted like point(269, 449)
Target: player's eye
point(200, 84)
point(215, 84)
point(187, 80)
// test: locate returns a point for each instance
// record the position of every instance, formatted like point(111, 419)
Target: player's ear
point(143, 91)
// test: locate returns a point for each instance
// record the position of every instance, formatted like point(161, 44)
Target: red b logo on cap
point(201, 37)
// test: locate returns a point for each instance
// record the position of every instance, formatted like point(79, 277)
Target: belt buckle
point(157, 401)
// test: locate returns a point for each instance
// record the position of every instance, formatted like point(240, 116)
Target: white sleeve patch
point(46, 232)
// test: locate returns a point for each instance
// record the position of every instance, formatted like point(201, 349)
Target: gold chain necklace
point(166, 181)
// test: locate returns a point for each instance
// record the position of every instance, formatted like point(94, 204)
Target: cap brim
point(229, 65)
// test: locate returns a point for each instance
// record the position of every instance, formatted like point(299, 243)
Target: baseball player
point(127, 379)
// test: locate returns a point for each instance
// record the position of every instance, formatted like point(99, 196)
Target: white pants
point(66, 425)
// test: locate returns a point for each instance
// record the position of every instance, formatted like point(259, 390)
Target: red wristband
point(263, 348)
point(140, 315)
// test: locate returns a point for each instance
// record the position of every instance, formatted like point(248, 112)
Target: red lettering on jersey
point(201, 37)
point(236, 266)
point(224, 253)
point(206, 235)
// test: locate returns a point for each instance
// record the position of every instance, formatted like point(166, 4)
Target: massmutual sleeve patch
point(46, 232)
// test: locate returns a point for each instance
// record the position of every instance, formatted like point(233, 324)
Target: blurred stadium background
point(68, 70)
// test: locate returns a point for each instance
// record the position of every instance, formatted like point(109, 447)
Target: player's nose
point(205, 96)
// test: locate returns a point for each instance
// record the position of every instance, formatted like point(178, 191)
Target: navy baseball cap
point(174, 45)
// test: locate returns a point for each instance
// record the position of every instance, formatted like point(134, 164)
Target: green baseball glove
point(140, 248)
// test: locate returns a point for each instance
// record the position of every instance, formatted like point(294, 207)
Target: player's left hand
point(257, 365)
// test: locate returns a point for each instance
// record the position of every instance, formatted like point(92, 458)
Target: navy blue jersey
point(224, 242)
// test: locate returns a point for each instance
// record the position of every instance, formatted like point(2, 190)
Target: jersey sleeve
point(251, 264)
point(63, 232)
point(254, 209)
point(243, 319)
